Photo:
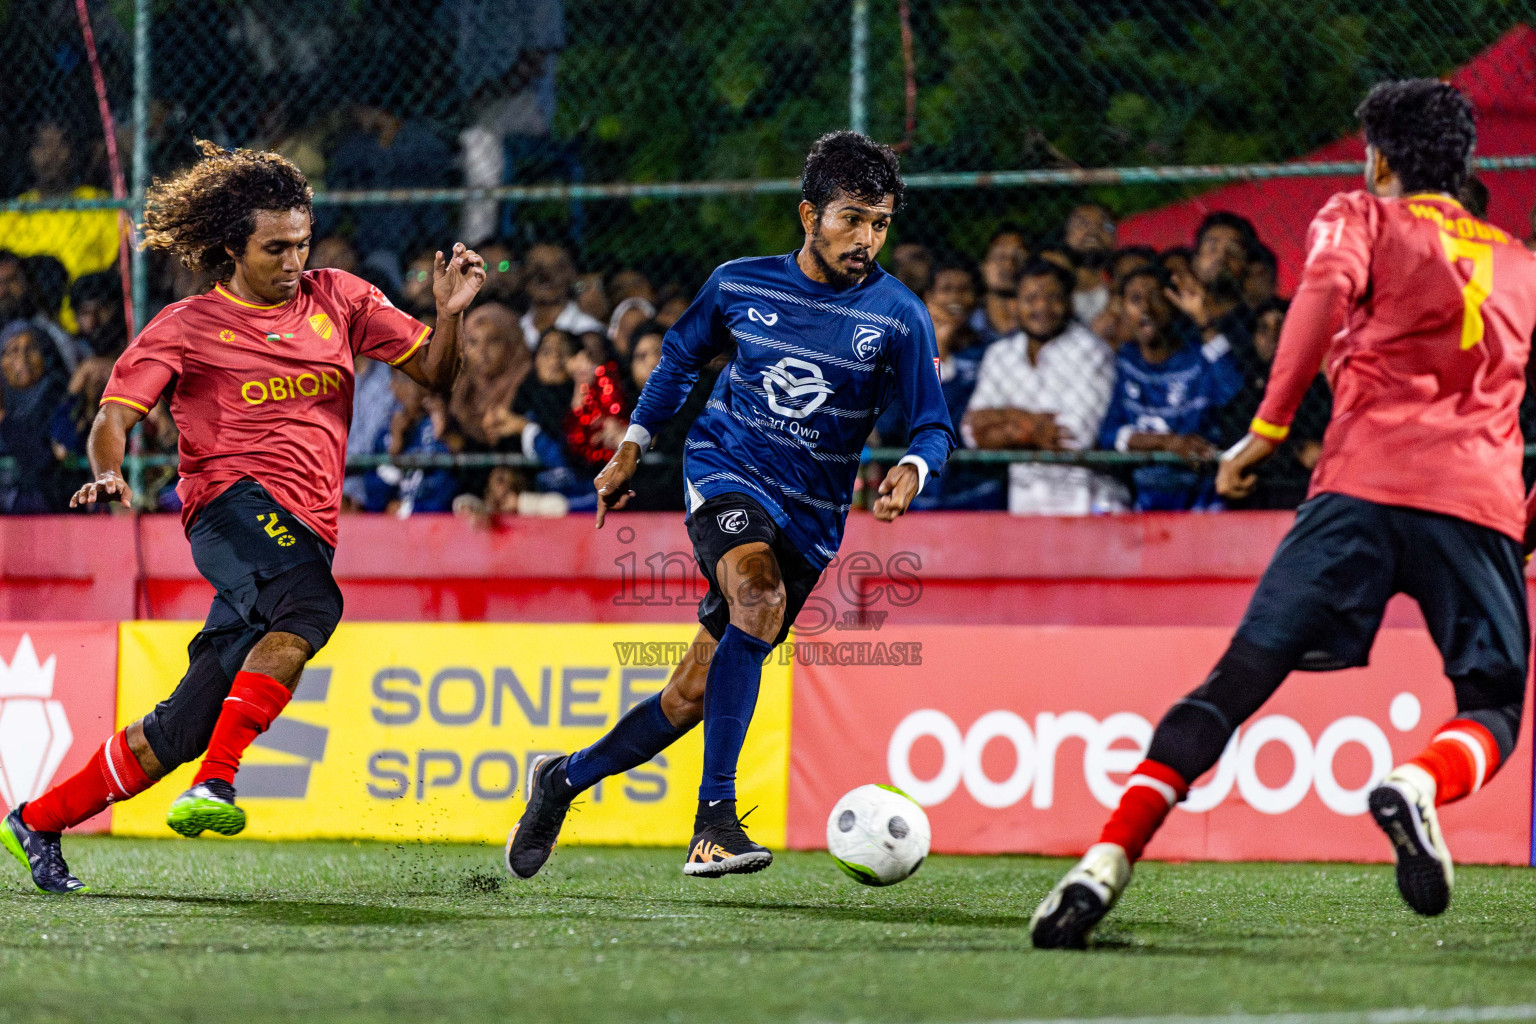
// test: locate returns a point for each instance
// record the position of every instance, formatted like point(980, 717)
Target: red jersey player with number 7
point(1421, 315)
point(259, 375)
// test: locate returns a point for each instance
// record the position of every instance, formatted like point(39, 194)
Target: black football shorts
point(1321, 599)
point(728, 521)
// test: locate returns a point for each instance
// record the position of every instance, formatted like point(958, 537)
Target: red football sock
point(1149, 796)
point(1461, 756)
point(254, 701)
point(113, 773)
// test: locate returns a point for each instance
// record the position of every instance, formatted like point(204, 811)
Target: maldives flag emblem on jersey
point(321, 324)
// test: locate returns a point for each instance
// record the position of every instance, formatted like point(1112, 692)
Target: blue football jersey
point(814, 367)
point(1182, 395)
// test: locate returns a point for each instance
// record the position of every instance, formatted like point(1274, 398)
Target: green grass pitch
point(248, 932)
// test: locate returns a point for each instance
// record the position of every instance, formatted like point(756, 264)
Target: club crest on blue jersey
point(795, 388)
point(866, 341)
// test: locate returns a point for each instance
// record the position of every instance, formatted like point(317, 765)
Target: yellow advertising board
point(426, 731)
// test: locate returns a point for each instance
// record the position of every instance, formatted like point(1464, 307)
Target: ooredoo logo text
point(1114, 745)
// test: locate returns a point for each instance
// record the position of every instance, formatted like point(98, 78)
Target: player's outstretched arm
point(456, 280)
point(106, 447)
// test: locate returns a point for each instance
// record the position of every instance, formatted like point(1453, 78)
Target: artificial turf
point(220, 930)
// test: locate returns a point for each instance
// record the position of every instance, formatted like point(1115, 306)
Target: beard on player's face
point(831, 261)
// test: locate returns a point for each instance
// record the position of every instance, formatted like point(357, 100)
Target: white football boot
point(1403, 805)
point(1081, 899)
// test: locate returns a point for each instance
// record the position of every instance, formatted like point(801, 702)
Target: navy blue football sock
point(730, 696)
point(638, 737)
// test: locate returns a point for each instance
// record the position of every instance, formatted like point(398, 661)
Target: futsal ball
point(878, 835)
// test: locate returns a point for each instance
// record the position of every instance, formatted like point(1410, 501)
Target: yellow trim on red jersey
point(130, 403)
point(241, 302)
point(1269, 430)
point(412, 350)
point(1439, 196)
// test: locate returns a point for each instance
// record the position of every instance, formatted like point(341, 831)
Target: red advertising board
point(1020, 739)
point(58, 703)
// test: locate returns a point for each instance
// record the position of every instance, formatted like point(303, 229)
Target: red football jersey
point(265, 391)
point(1421, 316)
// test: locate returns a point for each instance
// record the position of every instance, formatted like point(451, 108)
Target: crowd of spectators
point(1061, 345)
point(1074, 344)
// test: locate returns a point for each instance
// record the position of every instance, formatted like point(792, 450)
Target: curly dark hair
point(211, 207)
point(854, 165)
point(1424, 129)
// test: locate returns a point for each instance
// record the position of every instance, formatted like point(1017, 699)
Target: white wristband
point(639, 435)
point(922, 469)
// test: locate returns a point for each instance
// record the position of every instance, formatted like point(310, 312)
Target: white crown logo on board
point(34, 730)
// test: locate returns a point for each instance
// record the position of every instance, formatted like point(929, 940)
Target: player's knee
point(1245, 677)
point(759, 607)
point(179, 728)
point(305, 602)
point(1195, 731)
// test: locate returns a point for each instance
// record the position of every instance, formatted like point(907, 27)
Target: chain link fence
point(652, 140)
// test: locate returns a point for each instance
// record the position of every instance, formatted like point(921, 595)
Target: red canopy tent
point(1500, 82)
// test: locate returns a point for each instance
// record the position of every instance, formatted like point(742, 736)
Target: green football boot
point(206, 806)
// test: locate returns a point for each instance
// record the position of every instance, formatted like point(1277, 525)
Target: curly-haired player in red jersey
point(1421, 315)
point(259, 376)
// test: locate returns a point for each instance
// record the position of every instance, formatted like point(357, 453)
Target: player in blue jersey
point(824, 341)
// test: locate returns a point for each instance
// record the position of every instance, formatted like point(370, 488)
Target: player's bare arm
point(613, 482)
point(106, 447)
point(456, 280)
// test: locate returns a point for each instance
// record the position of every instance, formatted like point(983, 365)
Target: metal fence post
point(139, 185)
point(858, 71)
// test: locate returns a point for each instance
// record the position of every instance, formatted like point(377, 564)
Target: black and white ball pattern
point(878, 835)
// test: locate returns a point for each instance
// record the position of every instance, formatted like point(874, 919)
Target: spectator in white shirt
point(550, 275)
point(1046, 387)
